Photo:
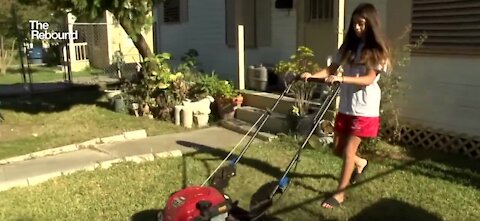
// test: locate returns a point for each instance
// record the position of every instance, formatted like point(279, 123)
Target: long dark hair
point(376, 48)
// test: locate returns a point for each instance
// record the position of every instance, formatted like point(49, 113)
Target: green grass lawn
point(41, 74)
point(65, 117)
point(428, 186)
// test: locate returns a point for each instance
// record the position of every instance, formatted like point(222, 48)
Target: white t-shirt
point(359, 100)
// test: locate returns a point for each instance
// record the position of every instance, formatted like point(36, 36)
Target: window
point(451, 26)
point(255, 16)
point(175, 11)
point(320, 10)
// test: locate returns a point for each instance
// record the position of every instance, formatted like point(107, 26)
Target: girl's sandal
point(332, 202)
point(356, 175)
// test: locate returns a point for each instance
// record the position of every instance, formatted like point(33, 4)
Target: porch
point(78, 54)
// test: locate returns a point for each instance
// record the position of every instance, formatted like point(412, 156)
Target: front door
point(317, 27)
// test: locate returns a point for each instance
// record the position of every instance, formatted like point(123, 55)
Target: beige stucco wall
point(107, 36)
point(320, 36)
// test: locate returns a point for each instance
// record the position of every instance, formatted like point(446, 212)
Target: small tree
point(393, 87)
point(300, 62)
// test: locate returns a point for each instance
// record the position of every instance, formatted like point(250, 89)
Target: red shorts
point(357, 125)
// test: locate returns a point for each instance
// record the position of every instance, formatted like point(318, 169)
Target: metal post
point(20, 42)
point(340, 35)
point(71, 46)
point(30, 76)
point(241, 58)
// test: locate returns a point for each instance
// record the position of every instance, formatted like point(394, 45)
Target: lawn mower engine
point(196, 203)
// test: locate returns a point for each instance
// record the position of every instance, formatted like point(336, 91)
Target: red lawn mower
point(211, 203)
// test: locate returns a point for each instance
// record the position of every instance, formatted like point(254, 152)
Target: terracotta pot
point(238, 100)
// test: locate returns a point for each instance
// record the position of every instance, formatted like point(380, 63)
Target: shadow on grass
point(392, 209)
point(322, 196)
point(146, 215)
point(452, 167)
point(456, 168)
point(236, 214)
point(384, 209)
point(381, 210)
point(262, 193)
point(33, 69)
point(56, 101)
point(260, 165)
point(266, 168)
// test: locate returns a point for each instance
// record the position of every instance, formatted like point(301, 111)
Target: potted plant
point(300, 62)
point(119, 103)
point(227, 99)
point(160, 90)
point(227, 104)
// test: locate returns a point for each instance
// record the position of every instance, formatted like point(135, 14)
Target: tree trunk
point(139, 42)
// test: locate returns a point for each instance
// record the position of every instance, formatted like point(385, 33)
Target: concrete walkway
point(34, 171)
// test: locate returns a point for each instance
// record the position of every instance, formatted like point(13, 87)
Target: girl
point(364, 55)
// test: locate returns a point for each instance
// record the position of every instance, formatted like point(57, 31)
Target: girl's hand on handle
point(305, 76)
point(334, 78)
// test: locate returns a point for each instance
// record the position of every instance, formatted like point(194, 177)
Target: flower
point(296, 110)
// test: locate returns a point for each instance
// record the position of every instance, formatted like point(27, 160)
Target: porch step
point(264, 100)
point(243, 127)
point(276, 123)
point(267, 100)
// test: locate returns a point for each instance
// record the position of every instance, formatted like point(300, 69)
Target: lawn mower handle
point(313, 79)
point(317, 119)
point(317, 80)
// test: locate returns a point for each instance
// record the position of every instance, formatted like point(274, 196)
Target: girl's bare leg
point(350, 160)
point(339, 143)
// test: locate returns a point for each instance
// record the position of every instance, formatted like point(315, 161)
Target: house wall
point(434, 98)
point(205, 32)
point(443, 93)
point(397, 26)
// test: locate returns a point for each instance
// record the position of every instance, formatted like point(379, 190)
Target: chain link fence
point(105, 50)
